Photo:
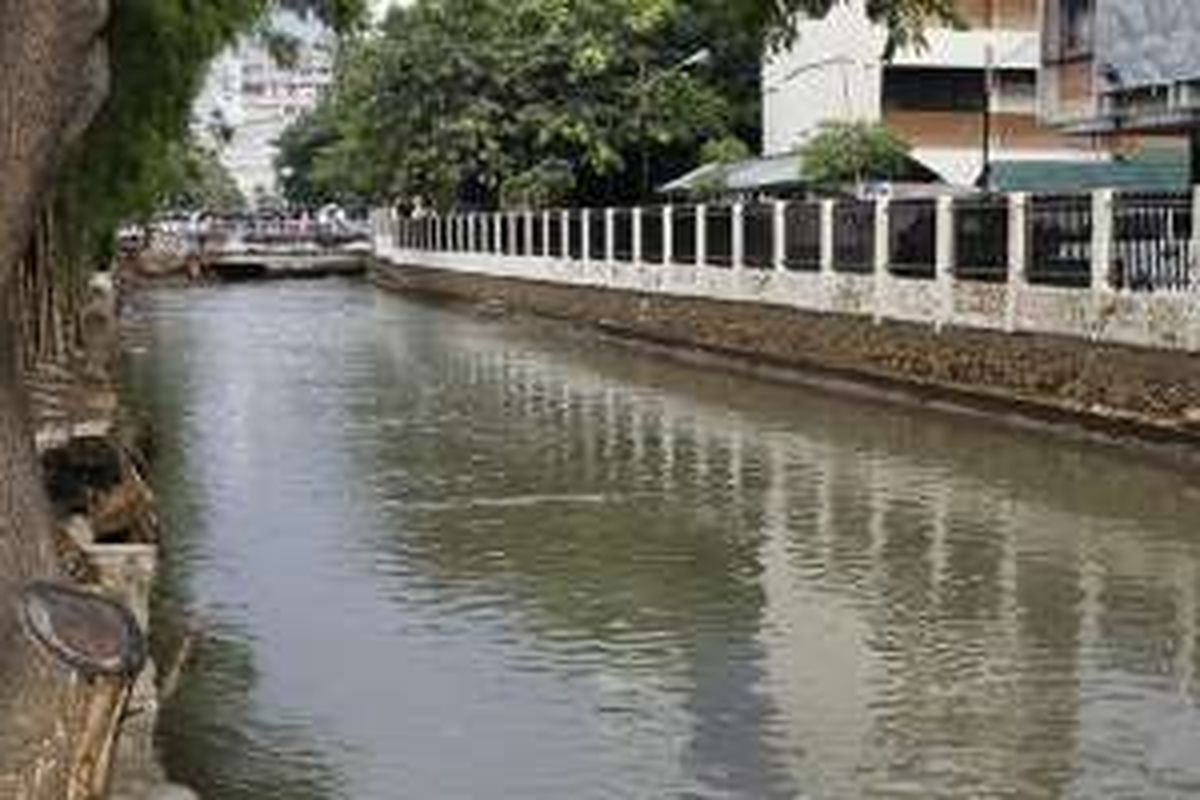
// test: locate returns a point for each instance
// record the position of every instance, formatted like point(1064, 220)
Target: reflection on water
point(447, 557)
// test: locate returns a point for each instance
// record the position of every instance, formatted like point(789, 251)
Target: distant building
point(250, 98)
point(935, 98)
point(1116, 66)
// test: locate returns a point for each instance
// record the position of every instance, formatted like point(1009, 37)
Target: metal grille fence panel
point(623, 234)
point(718, 238)
point(1060, 241)
point(575, 235)
point(520, 236)
point(652, 235)
point(758, 227)
point(683, 235)
point(854, 236)
point(912, 238)
point(537, 244)
point(554, 245)
point(1152, 247)
point(506, 242)
point(597, 248)
point(981, 239)
point(802, 238)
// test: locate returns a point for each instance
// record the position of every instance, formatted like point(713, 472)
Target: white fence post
point(610, 235)
point(1102, 257)
point(1193, 273)
point(1193, 280)
point(1102, 240)
point(880, 265)
point(1018, 255)
point(528, 220)
point(636, 256)
point(545, 234)
point(737, 243)
point(565, 243)
point(668, 237)
point(701, 235)
point(497, 231)
point(827, 237)
point(779, 226)
point(944, 261)
point(585, 230)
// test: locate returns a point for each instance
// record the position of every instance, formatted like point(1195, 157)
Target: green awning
point(1160, 171)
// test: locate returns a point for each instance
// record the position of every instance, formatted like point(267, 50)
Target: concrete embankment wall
point(1117, 361)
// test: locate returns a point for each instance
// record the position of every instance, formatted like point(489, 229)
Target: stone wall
point(1154, 393)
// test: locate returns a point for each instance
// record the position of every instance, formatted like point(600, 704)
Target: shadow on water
point(455, 557)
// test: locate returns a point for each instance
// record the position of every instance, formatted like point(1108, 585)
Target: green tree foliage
point(527, 102)
point(774, 20)
point(136, 154)
point(520, 101)
point(852, 152)
point(202, 182)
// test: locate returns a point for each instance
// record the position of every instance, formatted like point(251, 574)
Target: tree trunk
point(31, 688)
point(52, 73)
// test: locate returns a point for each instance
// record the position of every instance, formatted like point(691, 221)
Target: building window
point(933, 89)
point(1075, 32)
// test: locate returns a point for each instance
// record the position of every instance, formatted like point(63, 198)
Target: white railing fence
point(1105, 265)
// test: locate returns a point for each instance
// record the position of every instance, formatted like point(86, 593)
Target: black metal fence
point(912, 238)
point(1060, 241)
point(597, 235)
point(554, 236)
point(652, 236)
point(1152, 242)
point(758, 235)
point(520, 235)
point(575, 233)
point(802, 236)
point(506, 234)
point(718, 236)
point(623, 235)
point(854, 236)
point(537, 242)
point(981, 238)
point(683, 235)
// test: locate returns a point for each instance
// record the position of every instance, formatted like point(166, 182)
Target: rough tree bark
point(53, 76)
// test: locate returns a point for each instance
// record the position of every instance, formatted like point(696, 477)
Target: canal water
point(439, 555)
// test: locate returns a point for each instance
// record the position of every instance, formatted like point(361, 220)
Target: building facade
point(251, 97)
point(1115, 65)
point(934, 97)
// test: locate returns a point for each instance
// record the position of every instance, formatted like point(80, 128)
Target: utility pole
point(989, 59)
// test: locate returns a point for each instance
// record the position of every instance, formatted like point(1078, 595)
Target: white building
point(250, 98)
point(934, 97)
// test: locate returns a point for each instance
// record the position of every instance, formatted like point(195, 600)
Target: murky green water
point(441, 556)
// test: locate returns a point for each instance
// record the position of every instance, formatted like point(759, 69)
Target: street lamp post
point(989, 66)
point(699, 57)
